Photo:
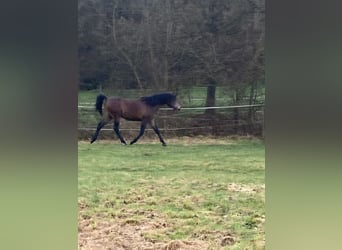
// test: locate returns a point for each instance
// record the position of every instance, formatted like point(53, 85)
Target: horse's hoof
point(164, 144)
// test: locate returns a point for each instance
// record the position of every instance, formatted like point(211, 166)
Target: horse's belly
point(130, 118)
point(132, 115)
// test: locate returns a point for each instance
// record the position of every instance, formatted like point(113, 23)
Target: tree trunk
point(132, 65)
point(211, 99)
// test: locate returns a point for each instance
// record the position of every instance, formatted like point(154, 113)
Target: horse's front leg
point(156, 130)
point(117, 131)
point(142, 131)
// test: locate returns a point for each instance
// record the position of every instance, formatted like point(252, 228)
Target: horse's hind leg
point(117, 131)
point(142, 131)
point(100, 125)
point(156, 130)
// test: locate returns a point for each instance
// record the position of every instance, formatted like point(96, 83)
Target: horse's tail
point(99, 101)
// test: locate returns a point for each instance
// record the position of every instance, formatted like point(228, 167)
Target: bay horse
point(142, 109)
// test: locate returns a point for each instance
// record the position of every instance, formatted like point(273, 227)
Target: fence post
point(211, 98)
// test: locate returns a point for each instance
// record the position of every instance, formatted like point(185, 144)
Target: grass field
point(193, 194)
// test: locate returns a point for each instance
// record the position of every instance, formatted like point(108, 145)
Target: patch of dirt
point(236, 187)
point(228, 240)
point(220, 238)
point(188, 245)
point(123, 234)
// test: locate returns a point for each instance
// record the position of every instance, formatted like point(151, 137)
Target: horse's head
point(162, 99)
point(174, 103)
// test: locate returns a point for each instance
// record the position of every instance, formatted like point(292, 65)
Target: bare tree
point(172, 44)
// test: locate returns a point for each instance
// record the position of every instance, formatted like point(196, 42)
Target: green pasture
point(203, 189)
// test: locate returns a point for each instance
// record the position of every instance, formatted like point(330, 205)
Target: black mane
point(158, 99)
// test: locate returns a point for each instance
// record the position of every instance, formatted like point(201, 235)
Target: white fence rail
point(198, 108)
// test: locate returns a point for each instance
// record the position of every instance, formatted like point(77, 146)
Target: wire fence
point(196, 108)
point(179, 123)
